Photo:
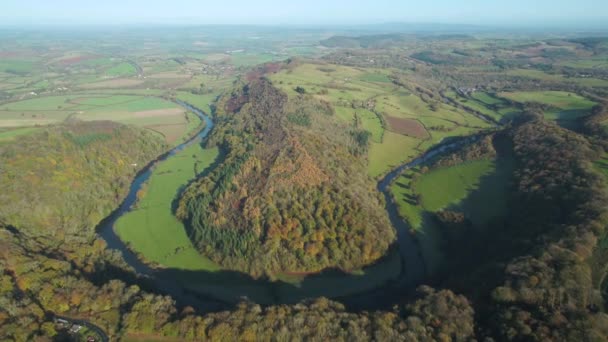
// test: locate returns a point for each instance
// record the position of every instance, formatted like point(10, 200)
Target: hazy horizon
point(517, 13)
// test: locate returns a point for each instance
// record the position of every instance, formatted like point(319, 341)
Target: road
point(89, 325)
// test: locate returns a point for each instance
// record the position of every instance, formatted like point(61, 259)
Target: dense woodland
point(290, 183)
point(291, 194)
point(60, 182)
point(535, 280)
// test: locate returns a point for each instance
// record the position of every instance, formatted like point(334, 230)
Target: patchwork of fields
point(564, 106)
point(159, 115)
point(402, 120)
point(402, 124)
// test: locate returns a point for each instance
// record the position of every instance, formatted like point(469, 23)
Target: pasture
point(11, 134)
point(541, 75)
point(477, 188)
point(122, 69)
point(397, 119)
point(162, 116)
point(151, 229)
point(565, 106)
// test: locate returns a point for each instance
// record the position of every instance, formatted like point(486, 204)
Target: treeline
point(291, 195)
point(60, 182)
point(558, 213)
point(536, 275)
point(43, 274)
point(33, 287)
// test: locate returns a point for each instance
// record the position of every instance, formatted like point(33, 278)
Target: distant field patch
point(487, 98)
point(76, 59)
point(122, 69)
point(370, 122)
point(160, 115)
point(116, 83)
point(375, 77)
point(567, 106)
point(171, 132)
point(394, 150)
point(410, 127)
point(9, 135)
point(16, 67)
point(169, 75)
point(159, 112)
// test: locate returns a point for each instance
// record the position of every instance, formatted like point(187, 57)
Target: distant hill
point(379, 41)
point(371, 41)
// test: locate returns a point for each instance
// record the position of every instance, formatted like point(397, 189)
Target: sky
point(305, 12)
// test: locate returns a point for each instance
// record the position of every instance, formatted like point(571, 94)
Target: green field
point(9, 135)
point(151, 229)
point(370, 122)
point(486, 104)
point(122, 69)
point(375, 77)
point(541, 75)
point(247, 59)
point(349, 88)
point(17, 67)
point(487, 99)
point(157, 114)
point(201, 102)
point(567, 106)
point(478, 189)
point(394, 150)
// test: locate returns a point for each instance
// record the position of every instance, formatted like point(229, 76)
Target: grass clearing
point(375, 77)
point(202, 102)
point(151, 229)
point(393, 151)
point(541, 75)
point(568, 106)
point(157, 114)
point(487, 99)
point(478, 189)
point(369, 121)
point(10, 135)
point(122, 69)
point(16, 67)
point(475, 105)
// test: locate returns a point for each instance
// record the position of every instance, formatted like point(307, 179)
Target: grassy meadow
point(367, 99)
point(151, 229)
point(565, 106)
point(159, 115)
point(486, 104)
point(477, 188)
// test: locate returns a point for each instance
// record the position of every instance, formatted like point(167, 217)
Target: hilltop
point(292, 194)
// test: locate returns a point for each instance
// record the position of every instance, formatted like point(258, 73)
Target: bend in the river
point(413, 269)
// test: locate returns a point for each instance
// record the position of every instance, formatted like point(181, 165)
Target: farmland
point(476, 188)
point(151, 229)
point(283, 200)
point(564, 106)
point(159, 115)
point(401, 123)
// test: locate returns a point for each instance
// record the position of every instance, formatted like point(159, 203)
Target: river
point(413, 270)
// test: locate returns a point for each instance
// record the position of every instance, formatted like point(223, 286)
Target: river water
point(413, 270)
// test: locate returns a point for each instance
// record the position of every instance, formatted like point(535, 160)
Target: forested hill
point(61, 181)
point(292, 194)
